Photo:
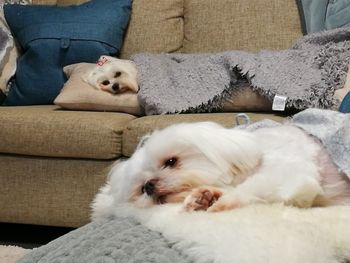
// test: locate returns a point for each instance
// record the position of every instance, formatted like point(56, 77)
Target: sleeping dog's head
point(113, 75)
point(173, 161)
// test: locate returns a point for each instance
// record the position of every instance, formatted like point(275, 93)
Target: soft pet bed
point(256, 233)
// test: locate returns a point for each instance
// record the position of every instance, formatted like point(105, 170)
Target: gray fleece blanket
point(307, 74)
point(126, 240)
point(331, 128)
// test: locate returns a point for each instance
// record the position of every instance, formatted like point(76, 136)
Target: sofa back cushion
point(191, 26)
point(155, 26)
point(212, 25)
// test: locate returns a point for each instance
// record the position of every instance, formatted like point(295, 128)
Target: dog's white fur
point(113, 75)
point(209, 167)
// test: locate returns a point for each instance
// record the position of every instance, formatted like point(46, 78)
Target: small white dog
point(209, 167)
point(113, 75)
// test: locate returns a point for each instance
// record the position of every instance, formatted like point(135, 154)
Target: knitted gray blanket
point(307, 74)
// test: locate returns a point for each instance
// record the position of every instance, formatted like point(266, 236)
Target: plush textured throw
point(332, 129)
point(307, 74)
point(257, 233)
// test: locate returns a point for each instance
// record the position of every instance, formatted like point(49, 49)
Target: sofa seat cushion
point(137, 128)
point(49, 191)
point(48, 131)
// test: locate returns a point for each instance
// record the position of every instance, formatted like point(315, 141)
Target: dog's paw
point(226, 202)
point(201, 198)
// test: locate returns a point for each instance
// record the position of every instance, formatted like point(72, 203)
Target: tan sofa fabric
point(47, 131)
point(139, 127)
point(49, 191)
point(245, 99)
point(155, 26)
point(212, 26)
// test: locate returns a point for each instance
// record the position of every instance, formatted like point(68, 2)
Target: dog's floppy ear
point(69, 69)
point(241, 151)
point(105, 59)
point(86, 76)
point(235, 152)
point(143, 141)
point(90, 76)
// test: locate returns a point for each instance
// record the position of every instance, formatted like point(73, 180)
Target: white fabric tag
point(242, 119)
point(279, 103)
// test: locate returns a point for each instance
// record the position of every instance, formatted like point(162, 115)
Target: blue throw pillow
point(52, 37)
point(345, 104)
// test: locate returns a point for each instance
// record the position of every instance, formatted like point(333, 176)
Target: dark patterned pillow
point(8, 49)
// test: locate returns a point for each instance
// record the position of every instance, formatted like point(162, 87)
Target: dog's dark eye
point(105, 82)
point(117, 74)
point(170, 162)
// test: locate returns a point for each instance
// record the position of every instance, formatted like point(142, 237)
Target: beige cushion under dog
point(246, 99)
point(79, 95)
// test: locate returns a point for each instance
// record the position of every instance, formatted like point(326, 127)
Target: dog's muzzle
point(115, 87)
point(149, 187)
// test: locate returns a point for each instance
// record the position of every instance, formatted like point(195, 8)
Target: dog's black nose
point(149, 188)
point(115, 87)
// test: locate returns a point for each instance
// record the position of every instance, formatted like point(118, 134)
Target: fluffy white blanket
point(257, 233)
point(11, 254)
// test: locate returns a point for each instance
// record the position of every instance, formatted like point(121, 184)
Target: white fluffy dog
point(113, 75)
point(209, 167)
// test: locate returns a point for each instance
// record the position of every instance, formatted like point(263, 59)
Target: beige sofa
point(52, 161)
